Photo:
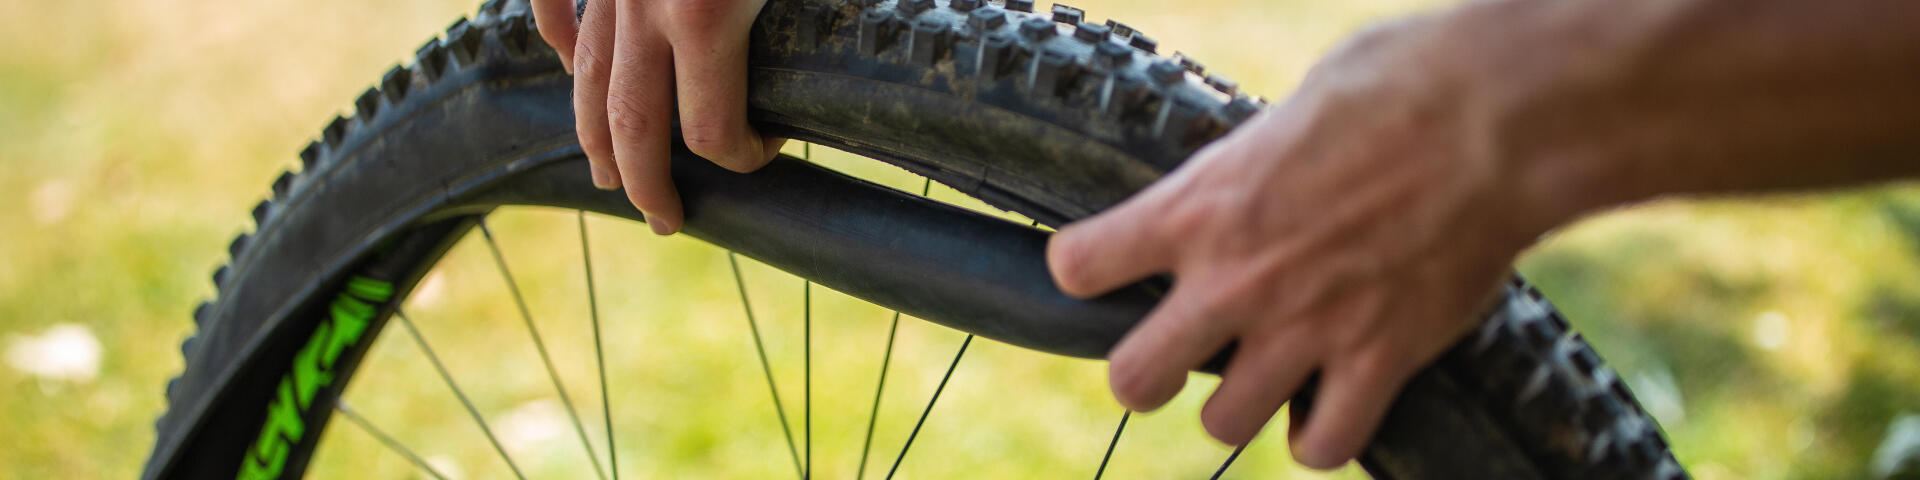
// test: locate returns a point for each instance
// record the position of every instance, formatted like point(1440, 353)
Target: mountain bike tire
point(1045, 114)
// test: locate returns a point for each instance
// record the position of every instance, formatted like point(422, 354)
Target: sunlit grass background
point(1773, 338)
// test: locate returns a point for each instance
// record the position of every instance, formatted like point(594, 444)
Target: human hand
point(1354, 230)
point(630, 60)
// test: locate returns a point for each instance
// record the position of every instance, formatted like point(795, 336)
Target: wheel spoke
point(599, 353)
point(929, 409)
point(388, 440)
point(1110, 445)
point(873, 417)
point(526, 317)
point(1229, 462)
point(753, 326)
point(806, 308)
point(457, 392)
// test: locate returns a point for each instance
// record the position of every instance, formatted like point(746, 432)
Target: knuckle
point(598, 147)
point(1381, 362)
point(697, 16)
point(1242, 302)
point(1187, 215)
point(710, 139)
point(1216, 312)
point(588, 60)
point(1222, 301)
point(593, 140)
point(626, 115)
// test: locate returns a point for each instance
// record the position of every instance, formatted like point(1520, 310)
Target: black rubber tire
point(1046, 115)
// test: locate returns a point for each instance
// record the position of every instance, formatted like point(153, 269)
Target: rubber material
point(1055, 120)
point(969, 271)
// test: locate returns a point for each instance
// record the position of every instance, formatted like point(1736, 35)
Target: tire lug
point(1067, 15)
point(874, 30)
point(367, 105)
point(1111, 55)
point(430, 61)
point(260, 211)
point(986, 19)
point(238, 246)
point(1053, 70)
point(310, 157)
point(993, 53)
point(1223, 84)
point(1165, 73)
point(1037, 29)
point(1189, 63)
point(464, 42)
point(1090, 32)
point(1143, 43)
point(394, 84)
point(924, 43)
point(334, 132)
point(914, 7)
point(282, 184)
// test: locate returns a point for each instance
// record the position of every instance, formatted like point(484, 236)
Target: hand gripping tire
point(1048, 114)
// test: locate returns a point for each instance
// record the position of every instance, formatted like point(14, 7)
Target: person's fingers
point(1116, 247)
point(593, 66)
point(639, 108)
point(556, 21)
point(1150, 364)
point(1263, 374)
point(710, 68)
point(1353, 397)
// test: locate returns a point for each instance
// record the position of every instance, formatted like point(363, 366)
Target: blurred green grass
point(1774, 338)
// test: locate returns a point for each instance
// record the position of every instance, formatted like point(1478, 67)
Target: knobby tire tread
point(1522, 396)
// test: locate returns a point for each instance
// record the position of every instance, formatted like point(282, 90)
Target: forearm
point(1597, 103)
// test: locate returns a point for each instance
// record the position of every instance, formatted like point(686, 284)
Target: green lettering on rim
point(348, 316)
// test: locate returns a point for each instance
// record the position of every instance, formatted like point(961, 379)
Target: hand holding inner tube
point(638, 62)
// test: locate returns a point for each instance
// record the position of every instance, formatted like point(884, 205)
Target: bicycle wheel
point(1051, 116)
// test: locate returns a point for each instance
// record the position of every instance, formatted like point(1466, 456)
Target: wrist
point(1538, 87)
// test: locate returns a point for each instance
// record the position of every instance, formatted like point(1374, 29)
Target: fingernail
point(604, 179)
point(659, 227)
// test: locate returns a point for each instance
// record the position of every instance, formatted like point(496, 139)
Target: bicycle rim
point(850, 75)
